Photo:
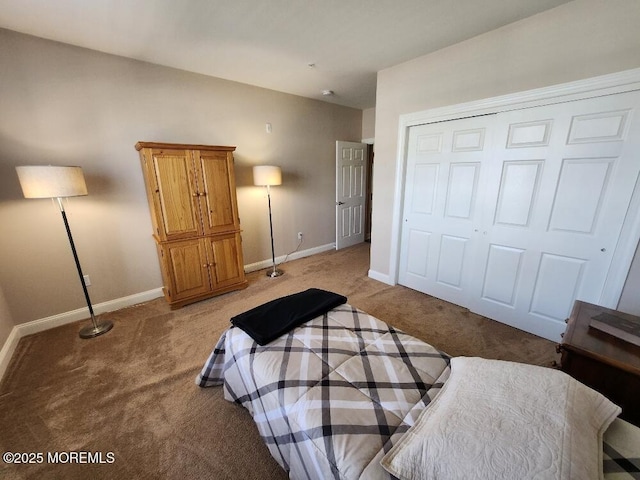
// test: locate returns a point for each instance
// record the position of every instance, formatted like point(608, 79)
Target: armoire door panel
point(217, 199)
point(224, 266)
point(176, 195)
point(187, 261)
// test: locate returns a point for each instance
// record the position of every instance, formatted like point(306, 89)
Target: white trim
point(252, 267)
point(620, 82)
point(42, 324)
point(8, 348)
point(368, 141)
point(381, 277)
point(53, 321)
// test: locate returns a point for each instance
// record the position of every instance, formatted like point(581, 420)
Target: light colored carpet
point(132, 392)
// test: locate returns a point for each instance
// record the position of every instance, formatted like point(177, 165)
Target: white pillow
point(495, 419)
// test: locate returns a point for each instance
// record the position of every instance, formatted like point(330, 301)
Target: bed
point(345, 395)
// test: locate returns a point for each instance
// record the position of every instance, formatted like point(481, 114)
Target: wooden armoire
point(194, 211)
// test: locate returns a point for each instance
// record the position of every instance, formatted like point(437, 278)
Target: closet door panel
point(566, 175)
point(517, 195)
point(502, 274)
point(517, 215)
point(442, 208)
point(557, 282)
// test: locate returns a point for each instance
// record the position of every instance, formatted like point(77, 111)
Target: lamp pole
point(275, 272)
point(268, 175)
point(96, 328)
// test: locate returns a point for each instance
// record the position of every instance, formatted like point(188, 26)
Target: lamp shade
point(48, 181)
point(267, 175)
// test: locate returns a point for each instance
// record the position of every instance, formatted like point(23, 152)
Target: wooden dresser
point(602, 361)
point(192, 199)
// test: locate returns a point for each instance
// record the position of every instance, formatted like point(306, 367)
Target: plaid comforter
point(332, 396)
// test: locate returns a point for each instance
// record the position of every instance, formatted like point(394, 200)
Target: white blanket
point(496, 419)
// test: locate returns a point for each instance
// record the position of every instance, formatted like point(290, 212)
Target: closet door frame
point(621, 82)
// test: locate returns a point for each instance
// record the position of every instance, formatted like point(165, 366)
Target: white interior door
point(566, 176)
point(351, 193)
point(442, 209)
point(555, 184)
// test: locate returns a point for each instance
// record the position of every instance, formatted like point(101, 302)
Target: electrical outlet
point(87, 280)
point(299, 235)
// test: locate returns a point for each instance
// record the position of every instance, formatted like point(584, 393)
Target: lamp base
point(274, 273)
point(90, 331)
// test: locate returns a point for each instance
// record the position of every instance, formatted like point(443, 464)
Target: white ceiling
point(270, 43)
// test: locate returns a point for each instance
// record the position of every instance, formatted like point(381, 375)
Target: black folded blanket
point(272, 319)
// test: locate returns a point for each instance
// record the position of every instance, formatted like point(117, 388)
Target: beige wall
point(70, 106)
point(581, 39)
point(368, 123)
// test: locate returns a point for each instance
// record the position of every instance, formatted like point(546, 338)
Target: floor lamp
point(268, 176)
point(60, 182)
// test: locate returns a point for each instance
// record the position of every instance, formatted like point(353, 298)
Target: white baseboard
point(301, 254)
point(381, 277)
point(7, 350)
point(35, 326)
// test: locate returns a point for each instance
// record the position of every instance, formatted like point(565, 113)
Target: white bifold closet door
point(515, 215)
